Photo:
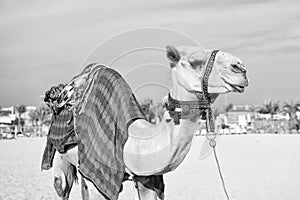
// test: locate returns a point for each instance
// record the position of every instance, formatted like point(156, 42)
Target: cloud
point(50, 39)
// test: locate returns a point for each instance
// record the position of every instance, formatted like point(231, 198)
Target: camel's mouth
point(238, 88)
point(237, 83)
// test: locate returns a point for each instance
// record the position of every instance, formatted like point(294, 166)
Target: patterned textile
point(101, 119)
point(48, 155)
point(61, 136)
point(63, 127)
point(95, 117)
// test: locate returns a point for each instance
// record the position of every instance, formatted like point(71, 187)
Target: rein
point(199, 108)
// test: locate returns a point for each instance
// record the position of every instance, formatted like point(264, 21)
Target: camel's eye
point(195, 63)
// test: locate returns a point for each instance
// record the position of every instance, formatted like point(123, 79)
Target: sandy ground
point(255, 167)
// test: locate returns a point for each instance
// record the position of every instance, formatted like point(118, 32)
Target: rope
point(220, 172)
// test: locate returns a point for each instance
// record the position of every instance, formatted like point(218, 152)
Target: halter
point(201, 107)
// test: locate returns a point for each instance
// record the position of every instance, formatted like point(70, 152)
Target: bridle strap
point(210, 127)
point(186, 109)
point(199, 102)
point(207, 72)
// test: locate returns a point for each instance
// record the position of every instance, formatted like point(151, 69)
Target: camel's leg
point(64, 176)
point(144, 193)
point(91, 190)
point(72, 157)
point(149, 187)
point(84, 190)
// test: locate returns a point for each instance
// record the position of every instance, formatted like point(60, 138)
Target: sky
point(44, 43)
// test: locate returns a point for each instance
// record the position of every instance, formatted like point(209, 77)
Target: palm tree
point(44, 115)
point(228, 107)
point(157, 111)
point(41, 116)
point(291, 109)
point(146, 104)
point(253, 110)
point(152, 111)
point(20, 110)
point(269, 107)
point(34, 118)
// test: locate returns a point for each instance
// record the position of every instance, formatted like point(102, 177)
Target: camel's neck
point(165, 142)
point(159, 148)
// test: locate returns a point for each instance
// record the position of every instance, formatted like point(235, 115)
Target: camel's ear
point(172, 54)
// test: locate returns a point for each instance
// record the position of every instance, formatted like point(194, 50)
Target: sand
point(255, 167)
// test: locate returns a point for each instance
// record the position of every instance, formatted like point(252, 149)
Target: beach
point(254, 167)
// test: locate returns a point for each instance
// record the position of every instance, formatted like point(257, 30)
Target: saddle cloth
point(61, 135)
point(102, 108)
point(101, 120)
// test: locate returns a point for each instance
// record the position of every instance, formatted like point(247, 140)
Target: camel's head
point(188, 64)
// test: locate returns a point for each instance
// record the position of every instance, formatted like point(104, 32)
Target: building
point(237, 120)
point(9, 117)
point(239, 115)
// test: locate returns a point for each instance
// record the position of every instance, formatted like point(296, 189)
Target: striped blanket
point(61, 137)
point(103, 117)
point(103, 108)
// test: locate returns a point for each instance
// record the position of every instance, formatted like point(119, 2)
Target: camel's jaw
point(229, 83)
point(229, 74)
point(234, 77)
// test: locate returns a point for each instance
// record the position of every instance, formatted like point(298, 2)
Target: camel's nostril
point(246, 82)
point(238, 68)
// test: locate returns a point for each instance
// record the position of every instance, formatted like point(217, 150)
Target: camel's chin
point(218, 90)
point(226, 89)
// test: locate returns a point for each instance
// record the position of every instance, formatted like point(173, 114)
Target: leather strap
point(185, 109)
point(210, 125)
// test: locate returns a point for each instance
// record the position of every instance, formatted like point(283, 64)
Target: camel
point(156, 149)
